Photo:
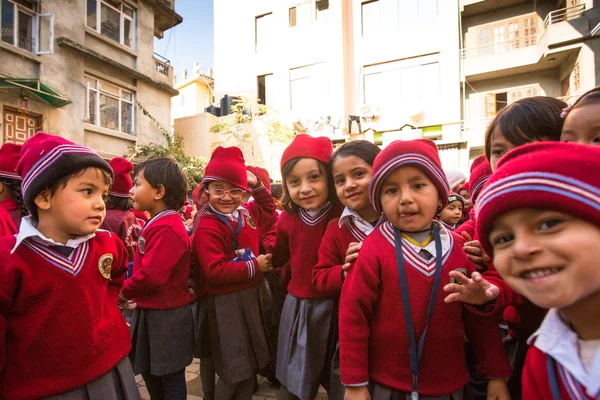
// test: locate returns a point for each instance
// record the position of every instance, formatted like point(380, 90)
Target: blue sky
point(192, 40)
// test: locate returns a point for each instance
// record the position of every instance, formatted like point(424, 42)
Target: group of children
point(401, 283)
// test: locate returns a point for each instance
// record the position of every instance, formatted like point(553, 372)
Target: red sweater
point(60, 326)
point(373, 337)
point(161, 269)
point(327, 274)
point(7, 227)
point(125, 225)
point(298, 239)
point(14, 211)
point(213, 247)
point(536, 381)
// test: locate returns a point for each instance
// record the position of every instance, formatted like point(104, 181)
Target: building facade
point(85, 70)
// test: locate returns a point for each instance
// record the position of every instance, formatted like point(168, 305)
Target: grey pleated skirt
point(201, 329)
point(307, 340)
point(162, 341)
point(116, 384)
point(380, 392)
point(238, 334)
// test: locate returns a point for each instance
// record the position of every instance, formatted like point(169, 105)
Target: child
point(62, 334)
point(527, 120)
point(465, 193)
point(119, 218)
point(455, 179)
point(382, 317)
point(581, 119)
point(12, 208)
point(277, 193)
point(226, 246)
point(452, 213)
point(307, 332)
point(539, 218)
point(162, 331)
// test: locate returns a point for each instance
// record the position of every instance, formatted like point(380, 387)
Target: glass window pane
point(428, 9)
point(112, 3)
point(107, 87)
point(92, 13)
point(372, 89)
point(370, 17)
point(109, 23)
point(125, 95)
point(92, 107)
point(128, 11)
point(430, 80)
point(8, 22)
point(109, 112)
point(128, 33)
point(91, 82)
point(26, 40)
point(26, 3)
point(126, 117)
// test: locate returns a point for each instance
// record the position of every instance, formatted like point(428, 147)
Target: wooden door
point(19, 126)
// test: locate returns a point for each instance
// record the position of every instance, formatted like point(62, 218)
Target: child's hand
point(265, 262)
point(192, 294)
point(252, 179)
point(357, 393)
point(474, 290)
point(497, 390)
point(129, 305)
point(475, 253)
point(345, 269)
point(352, 252)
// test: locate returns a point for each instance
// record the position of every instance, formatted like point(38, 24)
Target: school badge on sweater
point(105, 265)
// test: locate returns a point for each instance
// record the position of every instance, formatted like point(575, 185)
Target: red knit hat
point(422, 153)
point(47, 158)
point(466, 186)
point(261, 174)
point(306, 146)
point(480, 173)
point(122, 184)
point(9, 157)
point(227, 164)
point(543, 175)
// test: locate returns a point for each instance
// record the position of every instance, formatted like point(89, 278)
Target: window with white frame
point(109, 106)
point(22, 25)
point(309, 90)
point(113, 19)
point(385, 14)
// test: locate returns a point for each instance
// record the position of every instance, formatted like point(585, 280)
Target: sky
point(192, 40)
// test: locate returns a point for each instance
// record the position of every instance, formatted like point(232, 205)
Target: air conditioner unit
point(369, 111)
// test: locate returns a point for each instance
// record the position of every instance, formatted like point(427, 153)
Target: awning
point(36, 89)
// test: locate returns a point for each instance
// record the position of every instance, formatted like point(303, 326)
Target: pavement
point(266, 390)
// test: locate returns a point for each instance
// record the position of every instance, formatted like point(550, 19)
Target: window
point(22, 26)
point(112, 19)
point(264, 88)
point(292, 16)
point(396, 13)
point(309, 90)
point(509, 34)
point(263, 31)
point(109, 106)
point(321, 6)
point(370, 17)
point(576, 82)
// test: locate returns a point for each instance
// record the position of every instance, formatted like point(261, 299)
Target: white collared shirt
point(28, 229)
point(430, 248)
point(241, 210)
point(360, 223)
point(555, 338)
point(316, 211)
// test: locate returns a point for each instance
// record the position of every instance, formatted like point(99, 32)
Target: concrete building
point(85, 70)
point(516, 48)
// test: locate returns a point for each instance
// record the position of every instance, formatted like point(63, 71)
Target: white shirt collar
point(555, 338)
point(360, 223)
point(28, 229)
point(430, 248)
point(241, 210)
point(316, 211)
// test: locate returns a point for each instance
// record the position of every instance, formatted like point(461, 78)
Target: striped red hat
point(306, 146)
point(480, 173)
point(261, 174)
point(9, 157)
point(227, 164)
point(543, 175)
point(422, 153)
point(122, 184)
point(46, 158)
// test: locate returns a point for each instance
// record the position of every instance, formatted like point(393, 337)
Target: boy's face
point(143, 195)
point(409, 199)
point(582, 125)
point(224, 197)
point(452, 213)
point(77, 209)
point(547, 256)
point(307, 184)
point(464, 193)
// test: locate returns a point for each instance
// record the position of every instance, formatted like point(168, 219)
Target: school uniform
point(10, 212)
point(373, 336)
point(159, 286)
point(307, 332)
point(125, 225)
point(556, 367)
point(64, 335)
point(7, 226)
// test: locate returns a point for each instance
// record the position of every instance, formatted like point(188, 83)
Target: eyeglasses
point(233, 193)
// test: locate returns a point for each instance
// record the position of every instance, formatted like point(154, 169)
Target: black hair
point(286, 170)
point(527, 120)
point(592, 96)
point(167, 173)
point(277, 191)
point(362, 149)
point(118, 203)
point(14, 186)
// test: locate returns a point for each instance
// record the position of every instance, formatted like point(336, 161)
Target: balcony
point(163, 67)
point(165, 16)
point(530, 41)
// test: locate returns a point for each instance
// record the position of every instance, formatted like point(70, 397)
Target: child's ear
point(159, 192)
point(439, 204)
point(42, 200)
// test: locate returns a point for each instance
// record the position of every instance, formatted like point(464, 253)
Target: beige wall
point(193, 98)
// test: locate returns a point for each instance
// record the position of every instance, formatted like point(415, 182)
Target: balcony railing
point(564, 14)
point(163, 65)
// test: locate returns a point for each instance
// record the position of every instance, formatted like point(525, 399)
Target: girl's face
point(498, 147)
point(464, 193)
point(307, 184)
point(224, 197)
point(582, 125)
point(351, 177)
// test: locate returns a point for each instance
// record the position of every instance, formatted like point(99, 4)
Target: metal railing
point(564, 14)
point(163, 65)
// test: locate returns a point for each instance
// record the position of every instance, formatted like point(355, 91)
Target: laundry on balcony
point(34, 89)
